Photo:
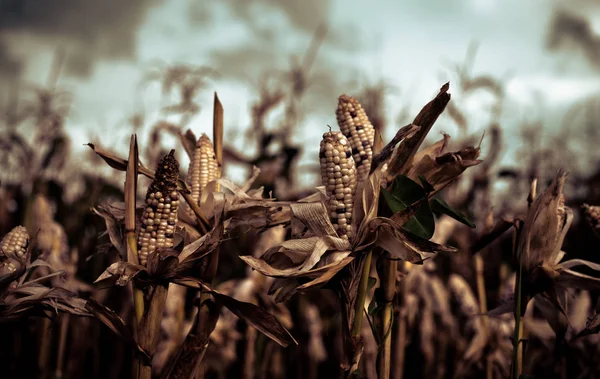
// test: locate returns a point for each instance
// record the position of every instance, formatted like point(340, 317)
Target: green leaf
point(440, 206)
point(405, 192)
point(426, 185)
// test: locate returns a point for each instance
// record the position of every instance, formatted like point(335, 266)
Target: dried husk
point(315, 253)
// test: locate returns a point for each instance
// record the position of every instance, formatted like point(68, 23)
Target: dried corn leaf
point(115, 229)
point(117, 326)
point(420, 165)
point(33, 299)
point(119, 273)
point(313, 273)
point(402, 245)
point(263, 321)
point(540, 237)
point(403, 155)
point(406, 132)
point(572, 279)
point(121, 164)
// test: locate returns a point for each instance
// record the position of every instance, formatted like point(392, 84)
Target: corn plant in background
point(22, 294)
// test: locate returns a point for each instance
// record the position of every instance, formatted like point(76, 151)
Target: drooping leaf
point(256, 316)
point(428, 187)
point(115, 323)
point(440, 206)
point(501, 226)
point(120, 164)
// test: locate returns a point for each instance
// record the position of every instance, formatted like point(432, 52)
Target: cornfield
point(402, 260)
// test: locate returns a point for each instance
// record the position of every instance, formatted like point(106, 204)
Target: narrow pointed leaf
point(440, 206)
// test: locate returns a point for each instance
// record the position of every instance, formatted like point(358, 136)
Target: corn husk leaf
point(117, 326)
point(114, 228)
point(440, 206)
point(573, 279)
point(405, 152)
point(260, 319)
point(243, 207)
point(443, 170)
point(120, 164)
point(487, 238)
point(317, 254)
point(406, 132)
point(34, 299)
point(540, 237)
point(420, 165)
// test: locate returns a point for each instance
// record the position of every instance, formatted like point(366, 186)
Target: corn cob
point(160, 216)
point(338, 173)
point(592, 213)
point(203, 169)
point(355, 125)
point(14, 243)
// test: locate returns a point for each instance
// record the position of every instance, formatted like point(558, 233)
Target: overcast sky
point(548, 51)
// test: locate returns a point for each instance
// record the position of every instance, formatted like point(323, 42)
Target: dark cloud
point(268, 48)
point(302, 15)
point(571, 30)
point(93, 30)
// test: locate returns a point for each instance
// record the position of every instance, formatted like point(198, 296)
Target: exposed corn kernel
point(359, 131)
point(338, 173)
point(160, 216)
point(15, 242)
point(203, 169)
point(592, 213)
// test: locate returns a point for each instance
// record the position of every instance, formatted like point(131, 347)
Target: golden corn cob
point(203, 169)
point(355, 125)
point(14, 243)
point(160, 216)
point(338, 173)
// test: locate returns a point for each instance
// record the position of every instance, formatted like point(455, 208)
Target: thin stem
point(517, 363)
point(361, 296)
point(400, 342)
point(45, 344)
point(149, 330)
point(62, 343)
point(481, 294)
point(132, 251)
point(213, 259)
point(130, 203)
point(388, 282)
